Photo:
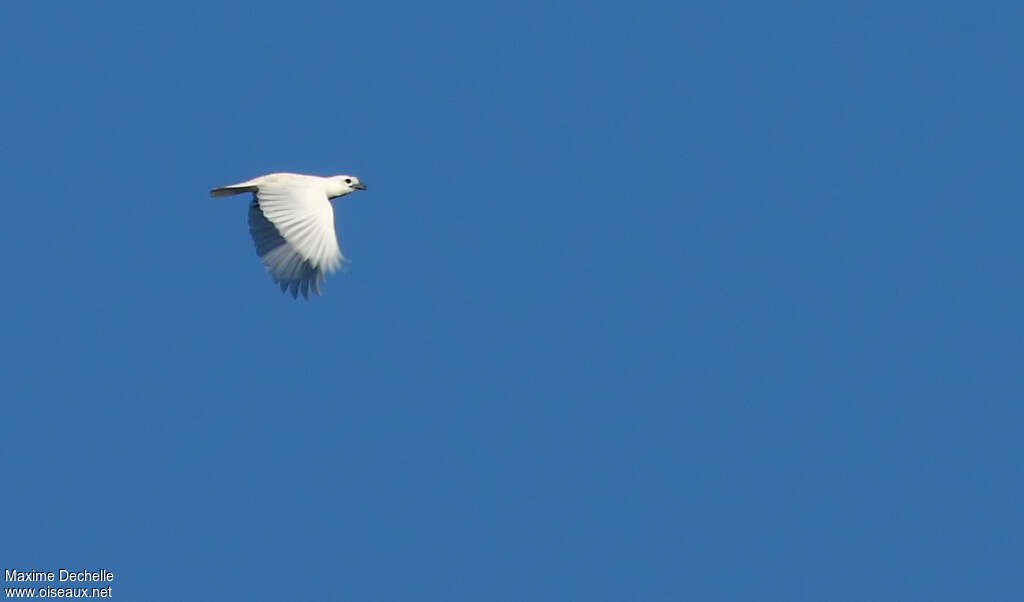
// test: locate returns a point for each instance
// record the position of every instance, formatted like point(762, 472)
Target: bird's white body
point(291, 220)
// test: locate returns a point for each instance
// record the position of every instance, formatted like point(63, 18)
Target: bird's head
point(344, 184)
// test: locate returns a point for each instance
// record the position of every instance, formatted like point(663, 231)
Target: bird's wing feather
point(293, 228)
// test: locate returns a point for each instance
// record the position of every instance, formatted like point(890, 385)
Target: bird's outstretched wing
point(293, 228)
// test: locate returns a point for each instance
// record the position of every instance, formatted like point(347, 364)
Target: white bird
point(292, 223)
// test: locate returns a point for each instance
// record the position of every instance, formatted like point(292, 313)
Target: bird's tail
point(230, 190)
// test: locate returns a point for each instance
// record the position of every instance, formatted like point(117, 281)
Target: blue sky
point(650, 301)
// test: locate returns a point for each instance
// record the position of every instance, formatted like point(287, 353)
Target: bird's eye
point(348, 180)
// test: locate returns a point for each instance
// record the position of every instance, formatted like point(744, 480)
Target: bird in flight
point(292, 223)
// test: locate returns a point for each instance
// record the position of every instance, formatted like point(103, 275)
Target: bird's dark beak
point(359, 186)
